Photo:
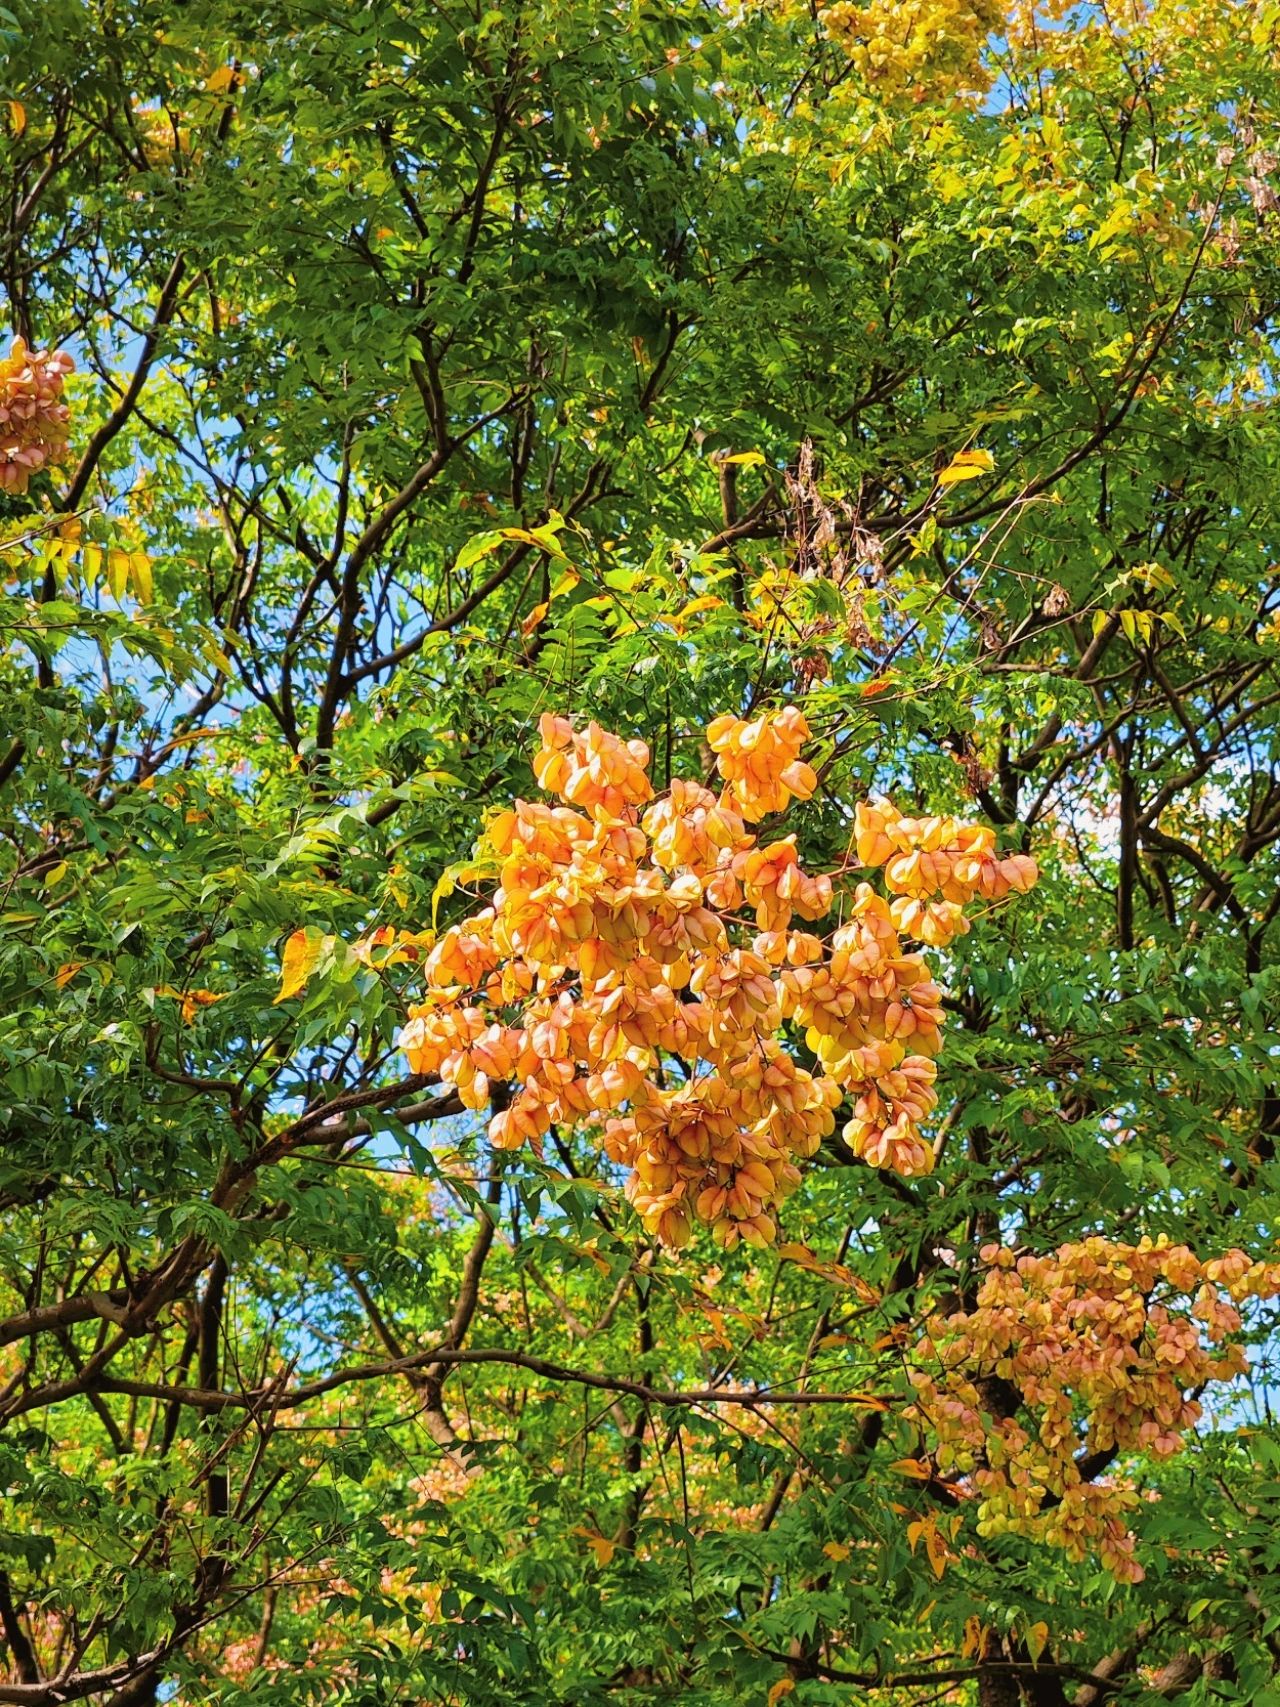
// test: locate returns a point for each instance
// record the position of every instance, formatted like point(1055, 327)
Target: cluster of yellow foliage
point(912, 46)
point(1123, 1332)
point(642, 956)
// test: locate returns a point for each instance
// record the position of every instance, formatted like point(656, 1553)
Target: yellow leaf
point(56, 873)
point(784, 1686)
point(66, 972)
point(463, 871)
point(389, 947)
point(543, 537)
point(217, 657)
point(301, 953)
point(117, 571)
point(534, 617)
point(745, 458)
point(223, 78)
point(17, 117)
point(1037, 1637)
point(593, 1255)
point(140, 575)
point(523, 536)
point(837, 1550)
point(600, 1545)
point(92, 560)
point(1153, 576)
point(967, 465)
point(695, 607)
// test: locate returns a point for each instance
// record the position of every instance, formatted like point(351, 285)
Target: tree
point(790, 450)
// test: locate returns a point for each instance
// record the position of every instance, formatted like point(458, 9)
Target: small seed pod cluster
point(1098, 1343)
point(33, 417)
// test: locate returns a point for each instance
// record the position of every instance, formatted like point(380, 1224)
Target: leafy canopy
point(457, 385)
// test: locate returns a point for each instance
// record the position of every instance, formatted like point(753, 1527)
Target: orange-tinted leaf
point(191, 1000)
point(600, 1545)
point(66, 972)
point(899, 1334)
point(917, 1468)
point(837, 1550)
point(835, 1272)
point(594, 1256)
point(935, 1546)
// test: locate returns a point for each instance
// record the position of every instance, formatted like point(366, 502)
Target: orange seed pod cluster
point(933, 867)
point(1106, 1337)
point(761, 762)
point(33, 417)
point(642, 968)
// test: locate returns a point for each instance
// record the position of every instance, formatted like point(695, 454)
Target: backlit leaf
point(966, 465)
point(302, 953)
